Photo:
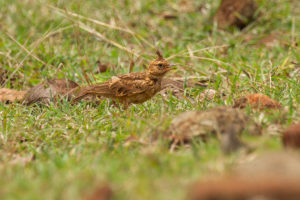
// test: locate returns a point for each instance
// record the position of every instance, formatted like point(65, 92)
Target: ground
point(65, 151)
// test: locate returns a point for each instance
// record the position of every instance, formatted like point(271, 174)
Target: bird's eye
point(160, 65)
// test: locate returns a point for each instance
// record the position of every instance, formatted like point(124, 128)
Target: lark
point(132, 88)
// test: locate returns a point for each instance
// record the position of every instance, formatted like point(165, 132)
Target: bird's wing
point(118, 86)
point(126, 85)
point(133, 76)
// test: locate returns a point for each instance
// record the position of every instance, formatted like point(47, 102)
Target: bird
point(131, 88)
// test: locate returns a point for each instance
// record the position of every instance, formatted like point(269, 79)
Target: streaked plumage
point(136, 87)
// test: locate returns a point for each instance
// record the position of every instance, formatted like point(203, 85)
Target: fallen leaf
point(217, 121)
point(50, 90)
point(169, 16)
point(291, 137)
point(236, 188)
point(9, 95)
point(235, 13)
point(281, 164)
point(103, 192)
point(257, 101)
point(101, 67)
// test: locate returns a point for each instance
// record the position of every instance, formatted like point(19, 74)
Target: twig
point(186, 52)
point(99, 35)
point(25, 49)
point(127, 30)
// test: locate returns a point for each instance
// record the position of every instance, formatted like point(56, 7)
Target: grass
point(62, 151)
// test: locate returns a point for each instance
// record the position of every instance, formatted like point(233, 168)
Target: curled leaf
point(51, 90)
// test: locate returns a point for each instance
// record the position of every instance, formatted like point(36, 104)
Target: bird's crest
point(159, 55)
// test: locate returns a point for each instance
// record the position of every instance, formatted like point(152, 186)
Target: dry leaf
point(272, 176)
point(169, 16)
point(257, 101)
point(101, 67)
point(236, 188)
point(217, 121)
point(291, 137)
point(101, 193)
point(9, 95)
point(235, 13)
point(280, 164)
point(50, 90)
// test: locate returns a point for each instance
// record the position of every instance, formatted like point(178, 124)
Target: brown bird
point(132, 88)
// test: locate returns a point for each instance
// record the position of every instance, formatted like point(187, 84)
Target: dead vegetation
point(10, 96)
point(235, 13)
point(281, 164)
point(257, 101)
point(106, 130)
point(291, 137)
point(51, 90)
point(5, 77)
point(271, 176)
point(235, 188)
point(225, 123)
point(101, 193)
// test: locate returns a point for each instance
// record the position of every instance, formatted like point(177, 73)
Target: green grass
point(76, 148)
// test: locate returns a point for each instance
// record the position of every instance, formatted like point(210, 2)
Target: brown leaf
point(169, 16)
point(291, 137)
point(283, 164)
point(101, 67)
point(235, 13)
point(101, 193)
point(236, 188)
point(216, 121)
point(257, 101)
point(51, 90)
point(9, 95)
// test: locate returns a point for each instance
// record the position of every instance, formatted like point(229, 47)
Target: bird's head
point(159, 67)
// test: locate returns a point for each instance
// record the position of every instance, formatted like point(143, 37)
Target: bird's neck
point(154, 78)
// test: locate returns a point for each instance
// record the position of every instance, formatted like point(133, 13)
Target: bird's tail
point(92, 90)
